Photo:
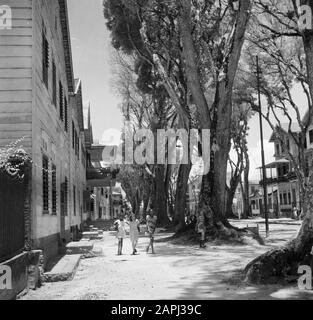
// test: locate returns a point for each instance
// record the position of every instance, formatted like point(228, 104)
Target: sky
point(92, 50)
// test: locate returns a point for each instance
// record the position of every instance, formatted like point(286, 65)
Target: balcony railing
point(286, 178)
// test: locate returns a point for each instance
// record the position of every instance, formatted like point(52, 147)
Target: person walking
point(120, 234)
point(151, 226)
point(201, 230)
point(134, 229)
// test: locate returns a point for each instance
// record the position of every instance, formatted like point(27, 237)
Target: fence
point(12, 224)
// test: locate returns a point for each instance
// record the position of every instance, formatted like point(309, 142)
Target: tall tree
point(192, 49)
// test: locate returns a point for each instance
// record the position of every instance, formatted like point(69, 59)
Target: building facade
point(282, 184)
point(41, 101)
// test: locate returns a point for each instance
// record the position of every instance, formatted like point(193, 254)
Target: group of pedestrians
point(134, 230)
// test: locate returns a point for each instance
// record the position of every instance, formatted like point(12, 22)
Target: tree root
point(271, 266)
point(276, 265)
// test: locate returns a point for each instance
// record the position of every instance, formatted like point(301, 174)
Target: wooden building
point(41, 101)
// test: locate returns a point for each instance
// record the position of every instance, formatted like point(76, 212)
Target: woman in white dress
point(120, 234)
point(134, 229)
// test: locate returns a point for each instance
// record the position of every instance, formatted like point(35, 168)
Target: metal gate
point(12, 224)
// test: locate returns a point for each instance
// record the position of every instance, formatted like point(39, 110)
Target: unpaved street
point(175, 272)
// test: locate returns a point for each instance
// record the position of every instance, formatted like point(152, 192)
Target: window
point(270, 203)
point(288, 144)
point(277, 149)
point(311, 136)
point(74, 199)
point(76, 144)
point(73, 135)
point(54, 190)
point(45, 183)
point(281, 199)
point(66, 197)
point(45, 59)
point(65, 115)
point(285, 199)
point(279, 172)
point(289, 198)
point(54, 84)
point(61, 97)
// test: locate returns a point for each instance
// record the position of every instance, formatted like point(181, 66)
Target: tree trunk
point(246, 193)
point(230, 195)
point(159, 201)
point(308, 49)
point(231, 191)
point(212, 199)
point(146, 201)
point(180, 199)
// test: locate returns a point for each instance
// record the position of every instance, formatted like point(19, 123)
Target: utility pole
point(262, 151)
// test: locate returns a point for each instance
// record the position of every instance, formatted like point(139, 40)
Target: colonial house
point(41, 101)
point(282, 184)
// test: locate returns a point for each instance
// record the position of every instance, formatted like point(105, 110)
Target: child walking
point(121, 234)
point(202, 230)
point(151, 226)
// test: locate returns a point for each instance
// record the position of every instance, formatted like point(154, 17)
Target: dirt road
point(175, 272)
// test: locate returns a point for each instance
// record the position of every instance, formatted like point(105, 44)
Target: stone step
point(90, 235)
point(64, 268)
point(81, 247)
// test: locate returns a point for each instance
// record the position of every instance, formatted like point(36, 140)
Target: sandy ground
point(175, 272)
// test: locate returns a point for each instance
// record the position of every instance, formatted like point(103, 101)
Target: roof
point(79, 103)
point(87, 124)
point(274, 164)
point(86, 114)
point(294, 128)
point(67, 44)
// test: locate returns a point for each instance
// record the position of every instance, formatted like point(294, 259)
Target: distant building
point(103, 196)
point(254, 197)
point(282, 184)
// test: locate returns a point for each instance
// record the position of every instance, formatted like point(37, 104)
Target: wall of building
point(16, 75)
point(27, 110)
point(49, 136)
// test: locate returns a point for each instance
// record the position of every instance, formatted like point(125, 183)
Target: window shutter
point(61, 97)
point(65, 115)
